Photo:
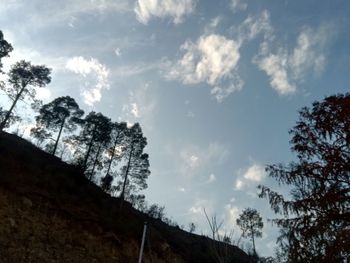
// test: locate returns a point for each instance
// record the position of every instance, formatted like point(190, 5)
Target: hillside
point(49, 212)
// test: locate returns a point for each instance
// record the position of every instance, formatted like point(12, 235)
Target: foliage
point(317, 218)
point(94, 136)
point(251, 224)
point(23, 77)
point(156, 211)
point(116, 145)
point(62, 113)
point(5, 48)
point(136, 170)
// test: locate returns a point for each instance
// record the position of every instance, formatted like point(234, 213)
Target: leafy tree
point(95, 135)
point(5, 48)
point(62, 113)
point(156, 211)
point(23, 77)
point(251, 224)
point(136, 170)
point(317, 218)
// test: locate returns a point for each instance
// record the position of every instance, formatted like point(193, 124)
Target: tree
point(95, 135)
point(116, 147)
point(136, 170)
point(317, 216)
point(251, 224)
point(5, 48)
point(106, 183)
point(191, 227)
point(62, 113)
point(23, 77)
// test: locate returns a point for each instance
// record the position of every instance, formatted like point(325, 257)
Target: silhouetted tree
point(5, 49)
point(156, 211)
point(250, 223)
point(191, 227)
point(317, 218)
point(106, 183)
point(23, 77)
point(115, 148)
point(95, 135)
point(136, 170)
point(62, 113)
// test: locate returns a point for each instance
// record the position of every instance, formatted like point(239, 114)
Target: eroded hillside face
point(34, 230)
point(50, 212)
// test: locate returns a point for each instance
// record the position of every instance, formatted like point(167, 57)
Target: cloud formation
point(95, 77)
point(286, 68)
point(213, 60)
point(176, 9)
point(238, 5)
point(253, 174)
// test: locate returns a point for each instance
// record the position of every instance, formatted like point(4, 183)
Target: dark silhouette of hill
point(50, 212)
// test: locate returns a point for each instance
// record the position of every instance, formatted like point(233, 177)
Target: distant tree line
point(109, 153)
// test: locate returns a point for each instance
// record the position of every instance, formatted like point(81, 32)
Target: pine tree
point(136, 170)
point(317, 217)
point(23, 77)
point(251, 224)
point(62, 113)
point(95, 135)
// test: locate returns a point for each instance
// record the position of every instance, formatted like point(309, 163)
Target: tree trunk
point(88, 152)
point(112, 157)
point(127, 172)
point(95, 161)
point(58, 137)
point(8, 114)
point(254, 251)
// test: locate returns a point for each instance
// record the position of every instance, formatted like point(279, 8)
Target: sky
point(215, 85)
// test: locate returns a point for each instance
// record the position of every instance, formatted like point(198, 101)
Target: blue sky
point(216, 85)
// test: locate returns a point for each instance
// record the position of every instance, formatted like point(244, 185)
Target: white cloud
point(286, 68)
point(141, 106)
point(249, 177)
point(135, 110)
point(212, 59)
point(181, 189)
point(211, 179)
point(255, 173)
point(232, 213)
point(176, 9)
point(239, 184)
point(192, 160)
point(118, 52)
point(190, 114)
point(215, 21)
point(238, 5)
point(95, 77)
point(252, 26)
point(199, 205)
point(276, 67)
point(68, 13)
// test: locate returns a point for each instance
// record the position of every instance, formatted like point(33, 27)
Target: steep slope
point(49, 212)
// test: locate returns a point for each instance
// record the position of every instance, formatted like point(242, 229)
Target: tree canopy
point(61, 113)
point(250, 222)
point(22, 79)
point(317, 218)
point(5, 48)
